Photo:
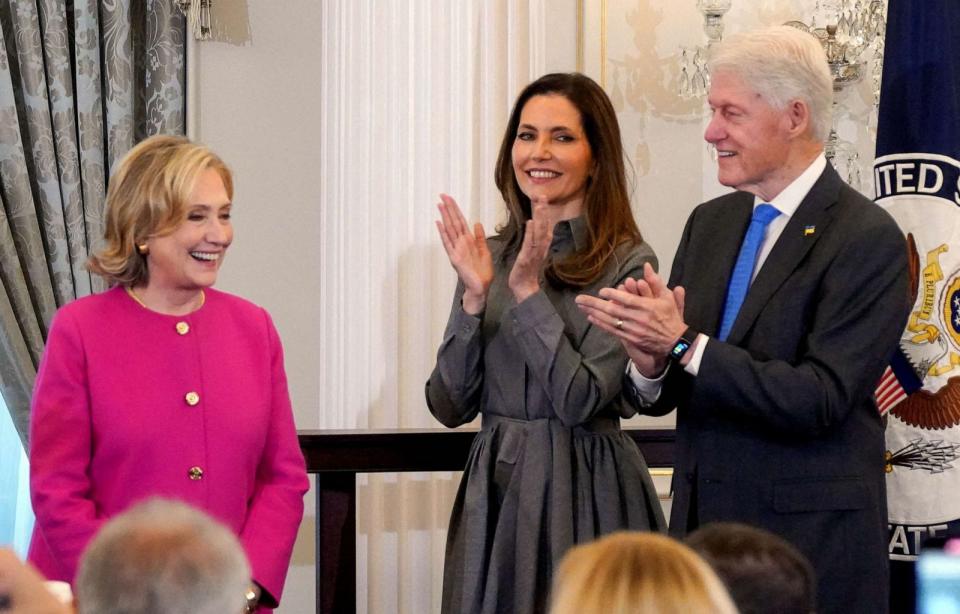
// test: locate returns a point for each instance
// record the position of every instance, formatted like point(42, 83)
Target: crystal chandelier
point(694, 79)
point(713, 12)
point(197, 13)
point(853, 38)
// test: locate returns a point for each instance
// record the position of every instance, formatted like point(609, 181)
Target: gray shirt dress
point(550, 467)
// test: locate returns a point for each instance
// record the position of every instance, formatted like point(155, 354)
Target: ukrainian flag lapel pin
point(809, 230)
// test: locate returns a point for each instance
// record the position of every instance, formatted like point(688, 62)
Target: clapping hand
point(524, 278)
point(644, 314)
point(468, 253)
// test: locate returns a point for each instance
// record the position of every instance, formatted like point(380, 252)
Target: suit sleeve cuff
point(693, 367)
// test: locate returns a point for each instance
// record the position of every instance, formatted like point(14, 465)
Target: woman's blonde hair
point(148, 197)
point(634, 573)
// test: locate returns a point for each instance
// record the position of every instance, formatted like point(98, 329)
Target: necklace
point(133, 295)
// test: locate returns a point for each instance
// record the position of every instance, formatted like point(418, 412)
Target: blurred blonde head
point(637, 573)
point(147, 197)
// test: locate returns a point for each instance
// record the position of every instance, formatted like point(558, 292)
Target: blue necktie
point(743, 269)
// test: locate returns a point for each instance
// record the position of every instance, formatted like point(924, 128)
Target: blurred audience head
point(148, 196)
point(763, 573)
point(163, 557)
point(637, 573)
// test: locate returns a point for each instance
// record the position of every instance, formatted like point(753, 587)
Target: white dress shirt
point(786, 202)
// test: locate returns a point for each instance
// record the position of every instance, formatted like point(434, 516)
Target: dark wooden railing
point(338, 456)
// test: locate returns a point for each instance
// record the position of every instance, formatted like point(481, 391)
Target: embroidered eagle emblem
point(931, 342)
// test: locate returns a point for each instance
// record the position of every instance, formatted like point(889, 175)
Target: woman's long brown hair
point(606, 207)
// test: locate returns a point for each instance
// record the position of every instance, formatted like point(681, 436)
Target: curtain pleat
point(415, 95)
point(90, 132)
point(80, 82)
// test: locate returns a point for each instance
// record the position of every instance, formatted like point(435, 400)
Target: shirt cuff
point(533, 310)
point(693, 367)
point(464, 325)
point(648, 390)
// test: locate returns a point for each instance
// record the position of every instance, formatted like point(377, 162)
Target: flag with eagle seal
point(917, 180)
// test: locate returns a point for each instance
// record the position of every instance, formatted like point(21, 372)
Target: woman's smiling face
point(189, 257)
point(551, 154)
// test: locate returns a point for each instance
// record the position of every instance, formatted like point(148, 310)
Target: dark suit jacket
point(780, 429)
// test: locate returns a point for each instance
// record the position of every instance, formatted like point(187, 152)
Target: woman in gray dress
point(550, 467)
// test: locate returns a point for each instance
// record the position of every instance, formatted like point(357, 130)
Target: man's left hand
point(644, 312)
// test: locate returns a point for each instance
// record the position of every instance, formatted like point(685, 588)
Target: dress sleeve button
point(192, 398)
point(195, 473)
point(182, 328)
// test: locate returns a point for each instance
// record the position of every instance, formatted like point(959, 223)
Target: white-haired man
point(163, 557)
point(785, 300)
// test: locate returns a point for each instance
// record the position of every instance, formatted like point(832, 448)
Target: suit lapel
point(705, 308)
point(790, 249)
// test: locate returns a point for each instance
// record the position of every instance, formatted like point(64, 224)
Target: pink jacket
point(129, 404)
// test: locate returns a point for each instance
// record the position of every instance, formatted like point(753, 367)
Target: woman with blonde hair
point(637, 573)
point(163, 386)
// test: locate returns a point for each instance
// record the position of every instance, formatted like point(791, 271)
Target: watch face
point(680, 348)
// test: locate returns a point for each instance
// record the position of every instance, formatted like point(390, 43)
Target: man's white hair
point(781, 63)
point(163, 557)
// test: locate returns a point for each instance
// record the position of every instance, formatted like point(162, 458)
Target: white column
point(414, 99)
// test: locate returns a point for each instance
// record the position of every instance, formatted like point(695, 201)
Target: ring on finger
point(619, 324)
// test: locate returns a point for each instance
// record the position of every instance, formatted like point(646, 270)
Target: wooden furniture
point(337, 456)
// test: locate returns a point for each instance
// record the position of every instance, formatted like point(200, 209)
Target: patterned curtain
point(81, 81)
